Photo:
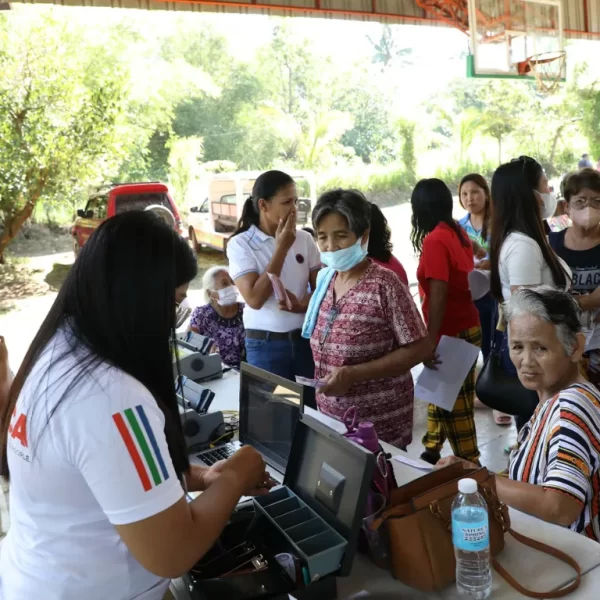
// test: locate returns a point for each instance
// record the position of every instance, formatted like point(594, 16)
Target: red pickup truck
point(117, 198)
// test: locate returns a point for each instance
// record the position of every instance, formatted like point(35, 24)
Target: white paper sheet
point(441, 387)
point(417, 464)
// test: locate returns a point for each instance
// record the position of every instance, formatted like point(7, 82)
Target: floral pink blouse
point(374, 318)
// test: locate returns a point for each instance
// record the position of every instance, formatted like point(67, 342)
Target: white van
point(213, 221)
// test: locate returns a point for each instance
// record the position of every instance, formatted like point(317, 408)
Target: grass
point(367, 178)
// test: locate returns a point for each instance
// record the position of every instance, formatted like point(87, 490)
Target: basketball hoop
point(548, 69)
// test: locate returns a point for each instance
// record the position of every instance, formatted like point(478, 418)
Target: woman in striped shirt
point(554, 470)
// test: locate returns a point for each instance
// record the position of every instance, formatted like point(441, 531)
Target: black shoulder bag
point(500, 391)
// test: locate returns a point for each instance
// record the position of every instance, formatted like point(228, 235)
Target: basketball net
point(547, 68)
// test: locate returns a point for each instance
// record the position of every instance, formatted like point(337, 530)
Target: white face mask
point(588, 218)
point(227, 296)
point(550, 203)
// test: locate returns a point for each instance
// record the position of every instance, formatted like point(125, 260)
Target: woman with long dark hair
point(92, 439)
point(474, 197)
point(520, 253)
point(380, 244)
point(267, 242)
point(446, 259)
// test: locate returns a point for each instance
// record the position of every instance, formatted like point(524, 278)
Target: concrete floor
point(492, 438)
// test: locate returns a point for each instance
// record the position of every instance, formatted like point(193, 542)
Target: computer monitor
point(269, 410)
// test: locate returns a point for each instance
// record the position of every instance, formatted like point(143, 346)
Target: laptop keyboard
point(221, 453)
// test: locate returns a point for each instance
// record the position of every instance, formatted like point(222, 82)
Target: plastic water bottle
point(471, 538)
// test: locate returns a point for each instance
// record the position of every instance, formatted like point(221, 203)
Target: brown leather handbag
point(419, 529)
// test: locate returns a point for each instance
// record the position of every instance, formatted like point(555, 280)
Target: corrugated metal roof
point(582, 17)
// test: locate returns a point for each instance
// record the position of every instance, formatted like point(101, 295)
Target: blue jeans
point(285, 358)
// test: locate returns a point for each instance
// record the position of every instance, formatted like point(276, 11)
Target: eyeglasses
point(581, 202)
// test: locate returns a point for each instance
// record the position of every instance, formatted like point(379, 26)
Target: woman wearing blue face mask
point(365, 331)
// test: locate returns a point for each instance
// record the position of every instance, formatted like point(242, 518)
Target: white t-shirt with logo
point(101, 459)
point(251, 252)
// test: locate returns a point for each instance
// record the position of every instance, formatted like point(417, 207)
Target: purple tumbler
point(365, 435)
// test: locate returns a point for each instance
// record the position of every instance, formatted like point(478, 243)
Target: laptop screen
point(269, 410)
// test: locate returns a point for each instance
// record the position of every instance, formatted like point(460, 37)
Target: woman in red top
point(380, 244)
point(446, 259)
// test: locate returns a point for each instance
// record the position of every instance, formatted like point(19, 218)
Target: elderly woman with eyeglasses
point(579, 247)
point(365, 331)
point(554, 470)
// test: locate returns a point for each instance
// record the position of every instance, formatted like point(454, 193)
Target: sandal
point(502, 419)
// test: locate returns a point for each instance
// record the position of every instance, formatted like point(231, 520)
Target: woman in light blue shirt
point(474, 197)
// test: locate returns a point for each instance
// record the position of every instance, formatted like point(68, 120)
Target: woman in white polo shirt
point(267, 241)
point(91, 435)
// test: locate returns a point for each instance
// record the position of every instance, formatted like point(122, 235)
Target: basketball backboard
point(517, 39)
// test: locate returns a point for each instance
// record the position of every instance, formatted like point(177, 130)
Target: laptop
point(269, 409)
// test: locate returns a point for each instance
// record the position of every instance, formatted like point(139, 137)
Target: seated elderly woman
point(554, 470)
point(365, 331)
point(221, 319)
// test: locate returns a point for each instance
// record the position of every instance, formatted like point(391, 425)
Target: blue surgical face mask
point(346, 258)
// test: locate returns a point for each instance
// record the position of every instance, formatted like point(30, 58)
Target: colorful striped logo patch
point(138, 437)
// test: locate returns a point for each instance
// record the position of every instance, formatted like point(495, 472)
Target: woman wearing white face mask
point(222, 318)
point(519, 250)
point(364, 328)
point(579, 247)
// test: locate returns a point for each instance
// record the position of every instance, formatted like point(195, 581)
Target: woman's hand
point(214, 472)
point(483, 265)
point(285, 235)
point(249, 468)
point(478, 250)
point(433, 361)
point(450, 460)
point(338, 382)
point(298, 306)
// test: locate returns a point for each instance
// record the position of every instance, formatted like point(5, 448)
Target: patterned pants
point(457, 426)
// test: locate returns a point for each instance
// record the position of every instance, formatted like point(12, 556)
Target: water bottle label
point(472, 537)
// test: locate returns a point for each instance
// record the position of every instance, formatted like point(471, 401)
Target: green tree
point(224, 120)
point(407, 129)
point(585, 98)
point(185, 157)
point(60, 115)
point(505, 105)
point(371, 136)
point(387, 51)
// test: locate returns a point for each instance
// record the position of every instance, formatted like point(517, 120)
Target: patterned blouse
point(374, 318)
point(560, 449)
point(228, 334)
